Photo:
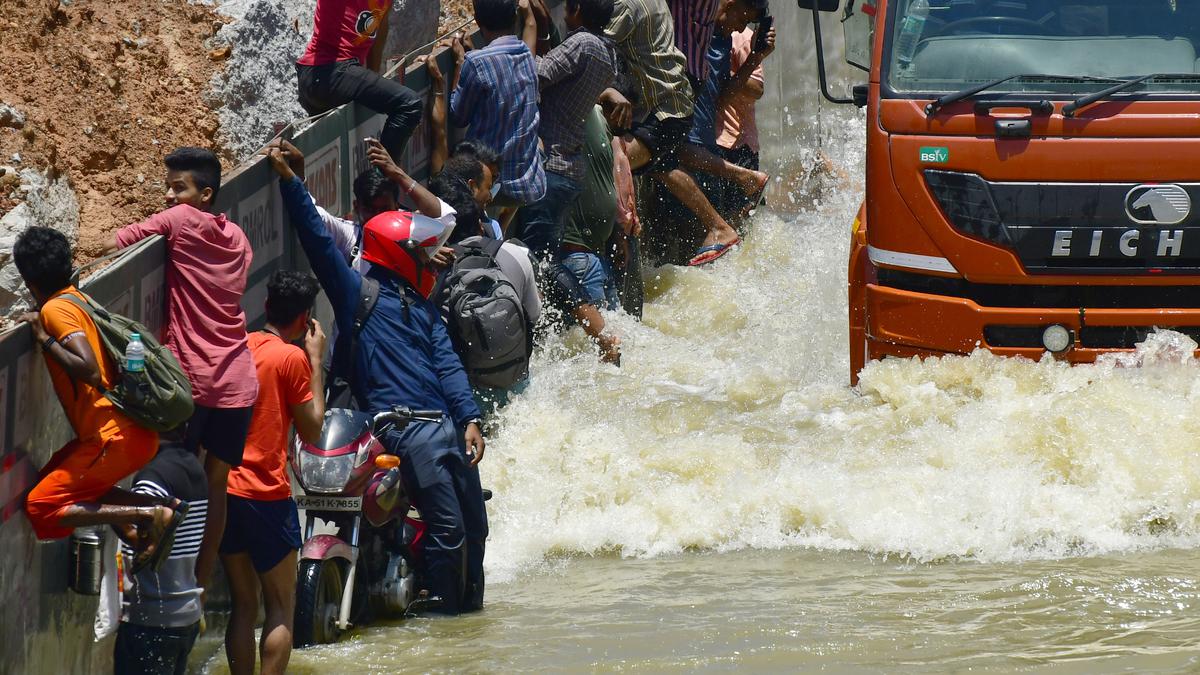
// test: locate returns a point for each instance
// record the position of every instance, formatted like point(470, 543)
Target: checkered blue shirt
point(497, 100)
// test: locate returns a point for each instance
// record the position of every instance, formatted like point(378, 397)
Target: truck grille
point(1073, 228)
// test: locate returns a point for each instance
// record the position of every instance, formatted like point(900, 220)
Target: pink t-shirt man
point(344, 30)
point(208, 260)
point(735, 121)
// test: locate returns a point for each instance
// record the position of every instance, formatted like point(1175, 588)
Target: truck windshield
point(949, 45)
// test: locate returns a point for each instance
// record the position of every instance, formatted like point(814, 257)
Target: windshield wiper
point(1084, 101)
point(935, 106)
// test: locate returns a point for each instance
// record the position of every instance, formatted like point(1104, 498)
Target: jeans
point(597, 285)
point(446, 491)
point(150, 650)
point(491, 399)
point(542, 222)
point(329, 85)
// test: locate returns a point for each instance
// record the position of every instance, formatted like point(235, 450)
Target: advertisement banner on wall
point(323, 175)
point(261, 220)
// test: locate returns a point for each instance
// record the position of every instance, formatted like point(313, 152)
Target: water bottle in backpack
point(153, 389)
point(135, 354)
point(910, 31)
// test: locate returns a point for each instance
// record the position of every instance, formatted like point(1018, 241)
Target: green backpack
point(158, 398)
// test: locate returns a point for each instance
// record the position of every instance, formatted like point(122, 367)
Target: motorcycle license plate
point(316, 503)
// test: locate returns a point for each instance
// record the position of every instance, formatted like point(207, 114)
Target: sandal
point(161, 536)
point(707, 254)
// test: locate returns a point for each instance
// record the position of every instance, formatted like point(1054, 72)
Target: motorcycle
point(350, 569)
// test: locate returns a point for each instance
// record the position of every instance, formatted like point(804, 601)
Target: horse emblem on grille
point(1158, 204)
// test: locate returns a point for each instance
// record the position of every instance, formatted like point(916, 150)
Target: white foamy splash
point(731, 425)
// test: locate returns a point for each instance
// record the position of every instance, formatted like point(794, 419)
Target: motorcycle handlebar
point(403, 416)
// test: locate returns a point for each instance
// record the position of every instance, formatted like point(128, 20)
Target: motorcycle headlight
point(324, 474)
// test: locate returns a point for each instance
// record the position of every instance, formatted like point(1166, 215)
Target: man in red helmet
point(403, 356)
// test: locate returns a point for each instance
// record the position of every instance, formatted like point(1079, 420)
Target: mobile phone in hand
point(760, 33)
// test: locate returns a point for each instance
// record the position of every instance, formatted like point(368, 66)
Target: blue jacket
point(404, 353)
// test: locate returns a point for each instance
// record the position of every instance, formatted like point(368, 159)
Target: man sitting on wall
point(77, 487)
point(341, 64)
point(653, 132)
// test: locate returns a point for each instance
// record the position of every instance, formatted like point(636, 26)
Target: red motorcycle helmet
point(395, 240)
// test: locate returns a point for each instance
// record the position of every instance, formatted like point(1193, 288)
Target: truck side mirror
point(821, 5)
point(816, 7)
point(858, 26)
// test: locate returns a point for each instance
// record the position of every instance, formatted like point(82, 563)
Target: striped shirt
point(170, 597)
point(694, 22)
point(497, 100)
point(571, 77)
point(645, 37)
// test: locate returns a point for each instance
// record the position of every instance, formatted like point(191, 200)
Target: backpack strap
point(93, 310)
point(86, 304)
point(343, 359)
point(492, 247)
point(368, 295)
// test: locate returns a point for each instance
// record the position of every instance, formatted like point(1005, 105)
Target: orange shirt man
point(76, 488)
point(262, 532)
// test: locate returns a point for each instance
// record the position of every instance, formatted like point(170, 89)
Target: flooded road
point(725, 500)
point(771, 611)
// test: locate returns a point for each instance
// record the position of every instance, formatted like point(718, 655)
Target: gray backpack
point(484, 316)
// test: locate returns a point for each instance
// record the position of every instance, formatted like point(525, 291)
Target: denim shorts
point(595, 276)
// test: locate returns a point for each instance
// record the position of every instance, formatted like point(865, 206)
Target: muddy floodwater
point(808, 610)
point(726, 501)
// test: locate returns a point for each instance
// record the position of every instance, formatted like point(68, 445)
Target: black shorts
point(152, 650)
point(220, 431)
point(266, 530)
point(662, 138)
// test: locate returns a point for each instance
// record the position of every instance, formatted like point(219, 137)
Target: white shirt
point(514, 262)
point(345, 233)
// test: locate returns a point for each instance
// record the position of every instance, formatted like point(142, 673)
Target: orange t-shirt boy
point(77, 486)
point(284, 380)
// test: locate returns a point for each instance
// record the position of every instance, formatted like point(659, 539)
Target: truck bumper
point(906, 323)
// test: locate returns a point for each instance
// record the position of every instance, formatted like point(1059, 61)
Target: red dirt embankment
point(107, 89)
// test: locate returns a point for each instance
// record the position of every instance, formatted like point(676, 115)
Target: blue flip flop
point(707, 254)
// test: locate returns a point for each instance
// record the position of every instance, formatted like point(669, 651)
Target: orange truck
point(1031, 179)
